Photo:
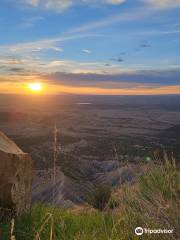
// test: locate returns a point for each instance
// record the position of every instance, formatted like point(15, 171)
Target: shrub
point(100, 197)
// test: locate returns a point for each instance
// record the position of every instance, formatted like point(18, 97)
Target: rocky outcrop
point(15, 176)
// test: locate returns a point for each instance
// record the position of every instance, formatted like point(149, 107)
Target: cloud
point(32, 64)
point(85, 83)
point(17, 69)
point(87, 51)
point(28, 48)
point(33, 3)
point(44, 66)
point(56, 5)
point(163, 3)
point(115, 1)
point(149, 77)
point(118, 59)
point(79, 67)
point(29, 22)
point(25, 48)
point(92, 77)
point(145, 44)
point(114, 19)
point(61, 5)
point(136, 82)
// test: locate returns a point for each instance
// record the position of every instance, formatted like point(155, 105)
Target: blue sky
point(119, 46)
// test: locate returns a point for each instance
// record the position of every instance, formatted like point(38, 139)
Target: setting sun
point(35, 87)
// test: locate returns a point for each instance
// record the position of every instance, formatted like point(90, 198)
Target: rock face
point(15, 176)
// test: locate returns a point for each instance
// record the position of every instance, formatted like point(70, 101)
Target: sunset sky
point(90, 46)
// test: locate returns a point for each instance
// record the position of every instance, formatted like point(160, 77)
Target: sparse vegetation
point(100, 197)
point(152, 203)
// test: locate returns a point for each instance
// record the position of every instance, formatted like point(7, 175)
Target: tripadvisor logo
point(140, 231)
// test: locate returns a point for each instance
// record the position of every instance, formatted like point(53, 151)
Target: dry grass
point(12, 236)
point(153, 202)
point(48, 219)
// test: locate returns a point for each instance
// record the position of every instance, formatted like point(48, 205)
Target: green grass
point(67, 224)
point(153, 202)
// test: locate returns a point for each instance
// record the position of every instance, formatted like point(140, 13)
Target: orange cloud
point(22, 88)
point(19, 84)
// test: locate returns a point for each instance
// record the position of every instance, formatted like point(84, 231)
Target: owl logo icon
point(139, 231)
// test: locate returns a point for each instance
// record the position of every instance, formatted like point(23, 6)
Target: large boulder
point(15, 176)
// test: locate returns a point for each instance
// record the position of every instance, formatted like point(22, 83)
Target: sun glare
point(35, 87)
